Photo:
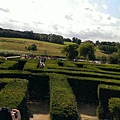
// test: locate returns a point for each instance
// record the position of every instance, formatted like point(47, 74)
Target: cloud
point(88, 9)
point(4, 10)
point(109, 18)
point(69, 17)
point(105, 6)
point(83, 19)
point(119, 8)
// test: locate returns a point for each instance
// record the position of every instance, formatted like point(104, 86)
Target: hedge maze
point(64, 84)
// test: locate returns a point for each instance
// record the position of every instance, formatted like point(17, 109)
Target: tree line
point(31, 35)
point(86, 50)
point(53, 38)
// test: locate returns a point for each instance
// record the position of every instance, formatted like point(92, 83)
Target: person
point(13, 115)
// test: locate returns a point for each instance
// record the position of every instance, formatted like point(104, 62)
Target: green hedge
point(77, 73)
point(31, 64)
point(14, 95)
point(63, 105)
point(14, 74)
point(85, 88)
point(38, 86)
point(105, 92)
point(9, 65)
point(114, 108)
point(21, 64)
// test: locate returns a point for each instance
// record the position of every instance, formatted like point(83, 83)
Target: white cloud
point(119, 8)
point(70, 18)
point(105, 6)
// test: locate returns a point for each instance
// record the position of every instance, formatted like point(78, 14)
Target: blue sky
point(84, 19)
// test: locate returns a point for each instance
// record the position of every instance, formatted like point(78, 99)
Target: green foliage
point(31, 64)
point(113, 59)
point(38, 86)
point(14, 74)
point(7, 53)
point(32, 47)
point(14, 94)
point(9, 65)
point(105, 92)
point(86, 49)
point(103, 59)
point(63, 105)
point(71, 51)
point(85, 88)
point(114, 108)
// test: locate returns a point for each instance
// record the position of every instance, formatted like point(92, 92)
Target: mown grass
point(19, 44)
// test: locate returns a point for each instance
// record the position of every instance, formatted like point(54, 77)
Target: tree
point(103, 59)
point(113, 58)
point(76, 40)
point(86, 49)
point(70, 51)
point(31, 47)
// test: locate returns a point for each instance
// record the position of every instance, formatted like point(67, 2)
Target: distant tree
point(113, 58)
point(56, 39)
point(97, 43)
point(31, 47)
point(118, 45)
point(67, 39)
point(103, 59)
point(70, 51)
point(86, 49)
point(76, 40)
point(118, 52)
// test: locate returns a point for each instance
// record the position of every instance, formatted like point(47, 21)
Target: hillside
point(19, 44)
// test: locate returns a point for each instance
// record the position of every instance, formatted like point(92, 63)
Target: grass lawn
point(19, 44)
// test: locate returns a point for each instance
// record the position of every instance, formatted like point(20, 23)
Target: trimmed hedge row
point(63, 105)
point(91, 69)
point(77, 73)
point(9, 65)
point(114, 108)
point(14, 74)
point(14, 95)
point(38, 86)
point(31, 64)
point(85, 88)
point(105, 92)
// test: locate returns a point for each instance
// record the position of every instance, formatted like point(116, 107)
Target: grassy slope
point(19, 44)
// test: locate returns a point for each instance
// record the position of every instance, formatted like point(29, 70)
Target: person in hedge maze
point(13, 115)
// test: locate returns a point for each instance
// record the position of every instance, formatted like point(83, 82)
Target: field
point(19, 44)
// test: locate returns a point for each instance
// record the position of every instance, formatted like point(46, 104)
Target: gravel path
point(40, 111)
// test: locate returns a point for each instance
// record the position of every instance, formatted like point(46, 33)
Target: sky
point(85, 19)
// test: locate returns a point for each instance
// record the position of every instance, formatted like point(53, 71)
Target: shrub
point(31, 64)
point(63, 105)
point(114, 108)
point(105, 92)
point(8, 65)
point(14, 95)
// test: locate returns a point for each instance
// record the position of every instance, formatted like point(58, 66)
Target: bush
point(9, 65)
point(14, 74)
point(114, 108)
point(63, 105)
point(31, 64)
point(105, 92)
point(14, 95)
